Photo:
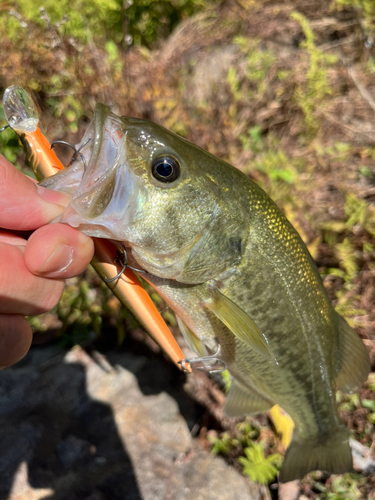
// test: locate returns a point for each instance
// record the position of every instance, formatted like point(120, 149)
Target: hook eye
point(210, 364)
point(122, 259)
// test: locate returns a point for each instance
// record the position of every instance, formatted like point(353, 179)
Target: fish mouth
point(102, 187)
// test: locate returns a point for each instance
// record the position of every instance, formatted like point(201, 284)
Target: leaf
point(259, 468)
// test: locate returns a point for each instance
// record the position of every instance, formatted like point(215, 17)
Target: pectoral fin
point(243, 401)
point(192, 340)
point(354, 365)
point(240, 324)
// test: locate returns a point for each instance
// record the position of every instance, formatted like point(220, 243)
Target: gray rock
point(88, 433)
point(211, 70)
point(362, 457)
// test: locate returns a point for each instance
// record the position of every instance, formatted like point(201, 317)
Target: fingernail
point(60, 260)
point(55, 197)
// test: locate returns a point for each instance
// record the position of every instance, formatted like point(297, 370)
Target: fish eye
point(166, 168)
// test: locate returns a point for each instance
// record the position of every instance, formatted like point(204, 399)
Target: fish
point(230, 265)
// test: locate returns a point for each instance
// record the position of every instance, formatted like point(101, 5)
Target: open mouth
point(95, 157)
point(99, 180)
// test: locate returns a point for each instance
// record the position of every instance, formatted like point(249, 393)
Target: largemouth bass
point(232, 267)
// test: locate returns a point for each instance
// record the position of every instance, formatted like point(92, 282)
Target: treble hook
point(209, 362)
point(122, 258)
point(76, 151)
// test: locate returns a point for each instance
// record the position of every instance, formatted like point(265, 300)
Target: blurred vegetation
point(365, 10)
point(283, 91)
point(142, 22)
point(247, 447)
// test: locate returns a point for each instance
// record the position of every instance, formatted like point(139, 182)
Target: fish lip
point(62, 181)
point(101, 113)
point(102, 159)
point(103, 187)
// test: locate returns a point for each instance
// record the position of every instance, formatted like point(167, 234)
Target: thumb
point(24, 205)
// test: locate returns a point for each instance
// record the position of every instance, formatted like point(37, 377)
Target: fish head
point(160, 195)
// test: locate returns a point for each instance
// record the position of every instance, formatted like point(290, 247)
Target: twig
point(347, 127)
point(337, 43)
point(362, 89)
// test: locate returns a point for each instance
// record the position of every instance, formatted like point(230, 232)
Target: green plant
point(146, 21)
point(234, 83)
point(348, 402)
point(257, 466)
point(226, 377)
point(277, 165)
point(86, 308)
point(253, 141)
point(62, 18)
point(246, 433)
point(150, 20)
point(371, 382)
point(243, 437)
point(113, 56)
point(359, 212)
point(79, 313)
point(365, 9)
point(258, 64)
point(312, 90)
point(344, 487)
point(338, 151)
point(221, 446)
point(348, 261)
point(346, 303)
point(259, 61)
point(9, 143)
point(370, 405)
point(270, 158)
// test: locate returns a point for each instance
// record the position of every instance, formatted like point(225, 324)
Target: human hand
point(32, 271)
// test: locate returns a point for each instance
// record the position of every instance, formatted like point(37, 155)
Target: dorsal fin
point(354, 361)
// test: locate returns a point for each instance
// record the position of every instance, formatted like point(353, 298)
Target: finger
point(58, 251)
point(15, 338)
point(11, 238)
point(21, 292)
point(23, 204)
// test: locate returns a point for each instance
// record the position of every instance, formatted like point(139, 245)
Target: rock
point(21, 489)
point(362, 457)
point(290, 491)
point(209, 73)
point(73, 428)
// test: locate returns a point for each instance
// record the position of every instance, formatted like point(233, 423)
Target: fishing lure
point(22, 116)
